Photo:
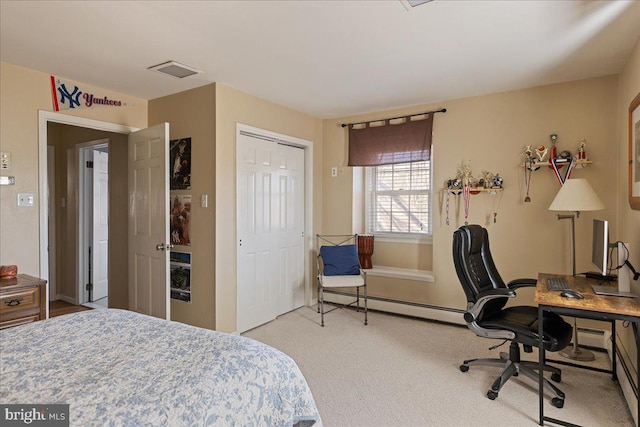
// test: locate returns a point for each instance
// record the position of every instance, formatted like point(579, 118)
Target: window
point(398, 199)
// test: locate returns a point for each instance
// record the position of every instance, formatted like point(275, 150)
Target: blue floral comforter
point(121, 368)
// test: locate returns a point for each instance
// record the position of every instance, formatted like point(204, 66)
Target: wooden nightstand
point(22, 300)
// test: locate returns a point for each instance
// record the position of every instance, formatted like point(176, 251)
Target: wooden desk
point(592, 306)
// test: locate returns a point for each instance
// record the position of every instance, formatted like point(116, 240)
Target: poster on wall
point(179, 218)
point(180, 271)
point(180, 164)
point(634, 153)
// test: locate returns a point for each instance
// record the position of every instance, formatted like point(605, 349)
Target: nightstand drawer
point(19, 321)
point(23, 299)
point(20, 299)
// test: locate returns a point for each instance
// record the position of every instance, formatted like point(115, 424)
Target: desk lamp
point(575, 195)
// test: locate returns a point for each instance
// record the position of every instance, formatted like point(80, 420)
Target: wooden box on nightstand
point(22, 300)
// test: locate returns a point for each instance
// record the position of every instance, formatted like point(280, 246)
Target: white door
point(51, 204)
point(289, 285)
point(100, 234)
point(270, 256)
point(148, 226)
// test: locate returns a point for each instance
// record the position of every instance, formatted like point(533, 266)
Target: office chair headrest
point(475, 236)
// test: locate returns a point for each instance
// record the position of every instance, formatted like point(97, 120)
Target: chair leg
point(321, 298)
point(513, 366)
point(509, 371)
point(366, 321)
point(545, 382)
point(547, 368)
point(357, 300)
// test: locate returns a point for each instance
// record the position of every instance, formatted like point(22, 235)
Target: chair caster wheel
point(464, 368)
point(492, 394)
point(556, 377)
point(557, 402)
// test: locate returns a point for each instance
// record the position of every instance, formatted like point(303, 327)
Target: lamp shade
point(576, 195)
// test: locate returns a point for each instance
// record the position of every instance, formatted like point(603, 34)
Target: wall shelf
point(474, 191)
point(579, 162)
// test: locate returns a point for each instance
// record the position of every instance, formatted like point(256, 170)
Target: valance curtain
point(407, 141)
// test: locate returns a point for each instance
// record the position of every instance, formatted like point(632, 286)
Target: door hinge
point(89, 286)
point(89, 164)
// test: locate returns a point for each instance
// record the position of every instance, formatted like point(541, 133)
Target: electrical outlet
point(25, 199)
point(334, 171)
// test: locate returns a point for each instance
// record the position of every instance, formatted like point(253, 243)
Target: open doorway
point(71, 210)
point(93, 224)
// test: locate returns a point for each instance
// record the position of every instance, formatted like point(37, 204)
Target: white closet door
point(270, 254)
point(290, 226)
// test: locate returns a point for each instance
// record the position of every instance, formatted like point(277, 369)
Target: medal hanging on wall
point(466, 196)
point(496, 199)
point(528, 170)
point(447, 206)
point(555, 165)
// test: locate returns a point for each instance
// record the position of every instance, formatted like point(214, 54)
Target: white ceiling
point(323, 58)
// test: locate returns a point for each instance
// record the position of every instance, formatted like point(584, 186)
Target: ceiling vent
point(175, 69)
point(410, 4)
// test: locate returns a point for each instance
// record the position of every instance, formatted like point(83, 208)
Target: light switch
point(25, 199)
point(7, 180)
point(205, 201)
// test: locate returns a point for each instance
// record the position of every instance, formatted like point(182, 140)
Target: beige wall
point(191, 114)
point(24, 92)
point(234, 107)
point(628, 219)
point(491, 131)
point(64, 138)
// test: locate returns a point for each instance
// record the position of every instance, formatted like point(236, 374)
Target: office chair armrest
point(522, 283)
point(472, 314)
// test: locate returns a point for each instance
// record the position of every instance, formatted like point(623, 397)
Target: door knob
point(163, 246)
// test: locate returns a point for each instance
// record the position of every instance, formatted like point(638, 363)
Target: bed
point(117, 367)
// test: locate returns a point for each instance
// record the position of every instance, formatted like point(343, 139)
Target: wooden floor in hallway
point(60, 307)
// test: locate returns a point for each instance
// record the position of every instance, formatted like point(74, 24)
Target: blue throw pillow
point(340, 260)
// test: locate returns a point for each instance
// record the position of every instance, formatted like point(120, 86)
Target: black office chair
point(486, 316)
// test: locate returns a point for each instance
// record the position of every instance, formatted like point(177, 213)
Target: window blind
point(383, 142)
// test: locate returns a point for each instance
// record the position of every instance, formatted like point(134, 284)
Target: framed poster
point(180, 164)
point(180, 270)
point(634, 153)
point(179, 218)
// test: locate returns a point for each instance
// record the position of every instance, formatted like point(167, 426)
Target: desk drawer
point(18, 300)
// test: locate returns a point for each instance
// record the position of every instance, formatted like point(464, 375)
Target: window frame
point(390, 236)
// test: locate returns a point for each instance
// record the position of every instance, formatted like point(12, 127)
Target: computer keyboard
point(557, 284)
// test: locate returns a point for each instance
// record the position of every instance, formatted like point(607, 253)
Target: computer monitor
point(600, 245)
point(600, 258)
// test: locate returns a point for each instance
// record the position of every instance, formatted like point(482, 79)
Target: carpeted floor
point(400, 371)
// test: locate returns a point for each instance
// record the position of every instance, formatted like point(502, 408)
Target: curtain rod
point(442, 110)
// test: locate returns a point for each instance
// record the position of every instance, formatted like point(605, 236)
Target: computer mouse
point(571, 294)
